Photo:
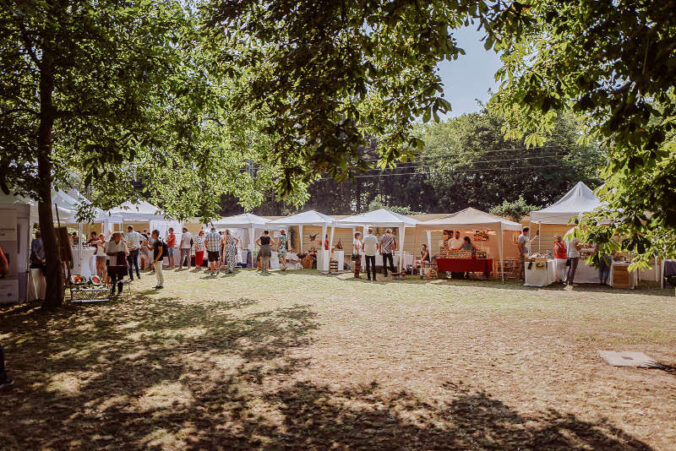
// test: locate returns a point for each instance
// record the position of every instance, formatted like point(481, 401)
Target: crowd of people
point(127, 254)
point(123, 255)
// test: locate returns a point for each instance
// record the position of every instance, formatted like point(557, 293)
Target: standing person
point(199, 249)
point(213, 242)
point(281, 249)
point(523, 242)
point(230, 243)
point(117, 252)
point(560, 257)
point(455, 243)
point(185, 248)
point(573, 260)
point(151, 246)
point(101, 256)
point(133, 240)
point(605, 263)
point(265, 252)
point(387, 246)
point(5, 380)
point(38, 253)
point(171, 243)
point(159, 247)
point(356, 253)
point(326, 242)
point(144, 252)
point(370, 250)
point(424, 260)
point(468, 246)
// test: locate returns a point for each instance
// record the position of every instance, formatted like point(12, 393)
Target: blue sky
point(471, 75)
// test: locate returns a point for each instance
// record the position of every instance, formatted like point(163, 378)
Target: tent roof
point(139, 211)
point(245, 220)
point(580, 199)
point(470, 217)
point(68, 206)
point(380, 217)
point(310, 217)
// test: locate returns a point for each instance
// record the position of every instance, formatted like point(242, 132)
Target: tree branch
point(13, 110)
point(29, 45)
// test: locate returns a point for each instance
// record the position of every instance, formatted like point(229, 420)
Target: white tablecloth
point(339, 256)
point(84, 261)
point(37, 285)
point(540, 276)
point(586, 273)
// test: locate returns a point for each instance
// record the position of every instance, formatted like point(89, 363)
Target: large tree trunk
point(54, 274)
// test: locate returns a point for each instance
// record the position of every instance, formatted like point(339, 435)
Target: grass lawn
point(302, 360)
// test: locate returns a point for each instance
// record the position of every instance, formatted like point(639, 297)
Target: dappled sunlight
point(164, 395)
point(295, 366)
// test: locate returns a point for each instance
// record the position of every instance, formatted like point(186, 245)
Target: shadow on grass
point(159, 372)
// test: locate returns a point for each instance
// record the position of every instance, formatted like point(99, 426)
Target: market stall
point(482, 226)
point(556, 219)
point(384, 218)
point(248, 224)
point(312, 218)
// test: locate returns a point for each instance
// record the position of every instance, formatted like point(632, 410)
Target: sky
point(470, 76)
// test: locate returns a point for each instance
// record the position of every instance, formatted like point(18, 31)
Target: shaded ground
point(303, 360)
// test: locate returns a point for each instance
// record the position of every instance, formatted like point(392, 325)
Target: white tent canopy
point(247, 221)
point(383, 218)
point(580, 199)
point(472, 218)
point(310, 218)
point(140, 211)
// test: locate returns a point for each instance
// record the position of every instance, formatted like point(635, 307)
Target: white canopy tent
point(140, 211)
point(247, 221)
point(311, 218)
point(581, 199)
point(383, 218)
point(472, 218)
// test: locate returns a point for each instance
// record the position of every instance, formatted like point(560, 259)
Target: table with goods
point(462, 261)
point(540, 270)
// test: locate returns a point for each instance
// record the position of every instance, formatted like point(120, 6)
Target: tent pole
point(323, 252)
point(429, 244)
point(300, 238)
point(333, 231)
point(402, 236)
point(502, 251)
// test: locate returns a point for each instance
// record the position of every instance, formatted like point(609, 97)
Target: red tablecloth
point(484, 265)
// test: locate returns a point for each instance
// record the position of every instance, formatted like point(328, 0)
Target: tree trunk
point(54, 274)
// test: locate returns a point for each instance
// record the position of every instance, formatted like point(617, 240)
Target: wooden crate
point(622, 278)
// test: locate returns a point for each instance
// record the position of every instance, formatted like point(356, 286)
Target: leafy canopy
point(613, 64)
point(328, 76)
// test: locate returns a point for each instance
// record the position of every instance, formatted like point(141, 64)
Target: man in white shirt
point(370, 249)
point(133, 240)
point(574, 259)
point(185, 248)
point(455, 243)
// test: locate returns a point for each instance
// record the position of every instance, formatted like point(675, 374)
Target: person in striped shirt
point(213, 244)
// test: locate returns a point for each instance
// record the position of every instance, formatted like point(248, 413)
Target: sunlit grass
point(300, 359)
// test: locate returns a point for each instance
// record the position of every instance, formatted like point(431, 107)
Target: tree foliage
point(515, 210)
point(329, 76)
point(613, 64)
